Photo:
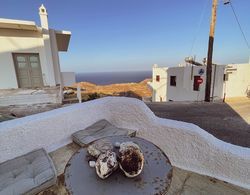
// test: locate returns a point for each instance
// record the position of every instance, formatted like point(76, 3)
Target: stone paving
point(228, 121)
point(186, 182)
point(183, 182)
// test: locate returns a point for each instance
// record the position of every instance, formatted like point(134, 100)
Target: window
point(157, 78)
point(196, 86)
point(172, 80)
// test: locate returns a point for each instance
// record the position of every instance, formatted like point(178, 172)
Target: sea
point(106, 78)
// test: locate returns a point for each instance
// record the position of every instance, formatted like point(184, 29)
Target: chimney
point(155, 65)
point(43, 17)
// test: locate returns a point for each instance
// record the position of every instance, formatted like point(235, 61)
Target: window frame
point(157, 78)
point(173, 82)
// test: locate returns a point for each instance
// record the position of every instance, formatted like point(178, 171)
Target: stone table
point(155, 178)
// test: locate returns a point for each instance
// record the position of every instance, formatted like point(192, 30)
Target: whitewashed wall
point(239, 81)
point(55, 56)
point(183, 91)
point(23, 41)
point(159, 88)
point(187, 146)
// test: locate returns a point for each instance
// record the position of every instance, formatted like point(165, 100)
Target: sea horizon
point(106, 78)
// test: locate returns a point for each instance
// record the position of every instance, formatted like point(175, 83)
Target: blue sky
point(129, 35)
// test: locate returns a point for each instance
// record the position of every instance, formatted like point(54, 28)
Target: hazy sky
point(118, 35)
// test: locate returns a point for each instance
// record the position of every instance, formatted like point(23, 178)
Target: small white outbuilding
point(187, 83)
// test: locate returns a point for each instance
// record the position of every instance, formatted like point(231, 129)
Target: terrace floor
point(183, 182)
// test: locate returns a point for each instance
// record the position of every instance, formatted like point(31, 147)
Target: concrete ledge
point(30, 96)
point(187, 146)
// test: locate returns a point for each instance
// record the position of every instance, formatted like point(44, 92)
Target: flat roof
point(18, 24)
point(62, 39)
point(62, 36)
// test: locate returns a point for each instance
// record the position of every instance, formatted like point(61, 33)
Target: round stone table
point(155, 178)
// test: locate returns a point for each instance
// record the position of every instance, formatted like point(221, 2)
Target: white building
point(238, 80)
point(183, 83)
point(29, 54)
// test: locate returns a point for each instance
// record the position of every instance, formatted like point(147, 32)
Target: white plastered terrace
point(188, 146)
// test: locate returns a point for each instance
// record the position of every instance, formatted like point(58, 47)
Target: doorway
point(28, 70)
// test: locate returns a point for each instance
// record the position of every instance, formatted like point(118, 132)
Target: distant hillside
point(137, 90)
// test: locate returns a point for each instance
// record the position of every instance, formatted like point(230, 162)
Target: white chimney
point(43, 17)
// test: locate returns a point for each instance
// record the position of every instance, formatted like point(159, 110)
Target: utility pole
point(210, 51)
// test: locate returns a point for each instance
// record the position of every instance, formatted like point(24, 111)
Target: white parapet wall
point(187, 146)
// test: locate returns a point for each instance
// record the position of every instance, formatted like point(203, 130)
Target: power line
point(236, 18)
point(199, 26)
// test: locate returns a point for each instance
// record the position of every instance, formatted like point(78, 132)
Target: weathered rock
point(131, 159)
point(100, 147)
point(106, 164)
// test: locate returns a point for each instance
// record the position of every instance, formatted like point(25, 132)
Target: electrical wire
point(236, 18)
point(199, 26)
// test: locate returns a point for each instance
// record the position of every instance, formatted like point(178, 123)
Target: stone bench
point(98, 130)
point(27, 174)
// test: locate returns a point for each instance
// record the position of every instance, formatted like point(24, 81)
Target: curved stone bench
point(187, 146)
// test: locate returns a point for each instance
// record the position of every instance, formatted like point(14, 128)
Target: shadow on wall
point(21, 41)
point(220, 119)
point(163, 97)
point(248, 91)
point(12, 35)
